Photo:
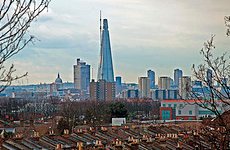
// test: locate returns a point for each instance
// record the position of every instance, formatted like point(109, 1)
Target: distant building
point(118, 85)
point(157, 94)
point(185, 87)
point(209, 77)
point(130, 93)
point(58, 82)
point(186, 109)
point(81, 76)
point(177, 75)
point(144, 88)
point(173, 94)
point(161, 94)
point(56, 88)
point(151, 76)
point(105, 70)
point(102, 90)
point(164, 83)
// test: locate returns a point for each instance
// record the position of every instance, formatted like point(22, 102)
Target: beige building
point(185, 87)
point(164, 83)
point(144, 87)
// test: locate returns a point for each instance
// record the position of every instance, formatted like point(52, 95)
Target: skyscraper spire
point(100, 28)
point(105, 70)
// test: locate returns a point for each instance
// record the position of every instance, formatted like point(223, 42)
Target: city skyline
point(144, 34)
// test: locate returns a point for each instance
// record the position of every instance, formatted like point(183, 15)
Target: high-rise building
point(144, 88)
point(185, 87)
point(105, 70)
point(177, 75)
point(164, 83)
point(118, 85)
point(209, 77)
point(102, 90)
point(81, 75)
point(151, 76)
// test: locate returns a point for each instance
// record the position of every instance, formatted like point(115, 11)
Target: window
point(181, 105)
point(179, 112)
point(205, 112)
point(175, 105)
point(169, 105)
point(164, 105)
point(190, 118)
point(166, 115)
point(190, 112)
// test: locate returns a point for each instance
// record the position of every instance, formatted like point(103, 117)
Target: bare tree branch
point(227, 24)
point(15, 19)
point(215, 91)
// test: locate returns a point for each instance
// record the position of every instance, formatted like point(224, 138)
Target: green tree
point(118, 110)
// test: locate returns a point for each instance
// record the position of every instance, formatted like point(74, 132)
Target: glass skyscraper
point(105, 70)
point(151, 76)
point(177, 75)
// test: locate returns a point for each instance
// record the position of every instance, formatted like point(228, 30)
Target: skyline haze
point(156, 35)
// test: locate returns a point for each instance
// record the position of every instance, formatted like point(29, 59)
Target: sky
point(145, 34)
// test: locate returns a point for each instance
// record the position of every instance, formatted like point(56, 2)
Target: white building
point(186, 109)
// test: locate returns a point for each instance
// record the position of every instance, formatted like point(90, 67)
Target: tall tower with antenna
point(105, 70)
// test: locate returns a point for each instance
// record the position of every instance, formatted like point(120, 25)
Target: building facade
point(177, 75)
point(118, 85)
point(130, 94)
point(151, 76)
point(185, 87)
point(144, 87)
point(209, 77)
point(81, 75)
point(164, 83)
point(185, 110)
point(102, 90)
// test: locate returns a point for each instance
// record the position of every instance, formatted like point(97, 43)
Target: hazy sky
point(145, 34)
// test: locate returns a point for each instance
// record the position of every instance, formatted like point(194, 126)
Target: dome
point(58, 80)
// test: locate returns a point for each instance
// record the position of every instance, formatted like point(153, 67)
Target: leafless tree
point(16, 17)
point(214, 73)
point(227, 24)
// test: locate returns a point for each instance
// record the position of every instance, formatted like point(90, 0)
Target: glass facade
point(105, 70)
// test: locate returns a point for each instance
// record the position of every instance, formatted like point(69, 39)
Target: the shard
point(105, 70)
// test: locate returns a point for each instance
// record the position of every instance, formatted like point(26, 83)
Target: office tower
point(164, 83)
point(102, 90)
point(185, 87)
point(118, 85)
point(209, 77)
point(151, 76)
point(144, 88)
point(105, 70)
point(177, 75)
point(81, 75)
point(93, 90)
